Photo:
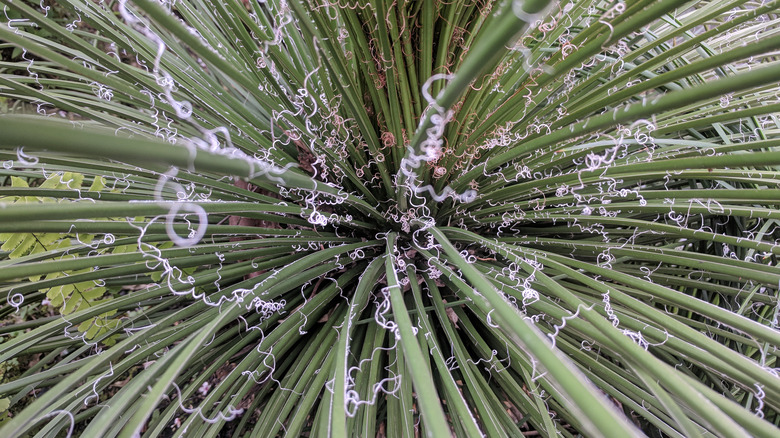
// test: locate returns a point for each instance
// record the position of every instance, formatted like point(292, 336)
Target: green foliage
point(67, 297)
point(311, 218)
point(22, 244)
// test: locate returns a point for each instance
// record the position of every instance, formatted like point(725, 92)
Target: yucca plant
point(389, 218)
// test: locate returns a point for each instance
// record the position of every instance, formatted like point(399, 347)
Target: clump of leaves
point(67, 296)
point(392, 218)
